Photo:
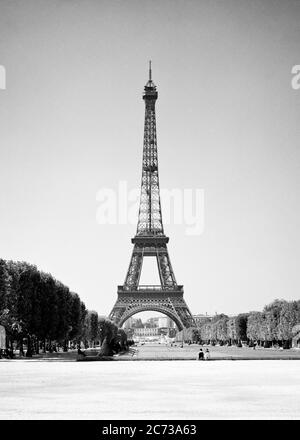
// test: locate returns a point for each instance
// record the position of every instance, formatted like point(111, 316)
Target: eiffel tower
point(150, 240)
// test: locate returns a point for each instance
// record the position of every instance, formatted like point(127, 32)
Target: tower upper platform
point(150, 91)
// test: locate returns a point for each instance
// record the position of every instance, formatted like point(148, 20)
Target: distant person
point(200, 355)
point(207, 355)
point(80, 352)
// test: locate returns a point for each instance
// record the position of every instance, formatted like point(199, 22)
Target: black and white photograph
point(149, 214)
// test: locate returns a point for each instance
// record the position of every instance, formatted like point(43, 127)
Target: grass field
point(162, 351)
point(152, 351)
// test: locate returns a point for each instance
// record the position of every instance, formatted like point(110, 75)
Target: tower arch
point(143, 308)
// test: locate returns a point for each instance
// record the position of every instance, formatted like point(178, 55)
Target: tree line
point(41, 310)
point(277, 324)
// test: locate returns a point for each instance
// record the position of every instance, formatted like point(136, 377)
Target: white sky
point(71, 123)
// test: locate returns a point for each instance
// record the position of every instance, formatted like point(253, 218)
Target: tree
point(94, 331)
point(193, 334)
point(4, 286)
point(63, 325)
point(272, 316)
point(48, 308)
point(241, 326)
point(231, 330)
point(74, 315)
point(256, 326)
point(289, 317)
point(107, 331)
point(205, 329)
point(36, 306)
point(29, 305)
point(218, 328)
point(13, 324)
point(221, 328)
point(122, 339)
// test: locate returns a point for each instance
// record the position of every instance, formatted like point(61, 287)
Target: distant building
point(146, 331)
point(152, 322)
point(200, 318)
point(165, 322)
point(157, 325)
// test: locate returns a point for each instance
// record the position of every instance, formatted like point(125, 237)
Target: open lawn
point(155, 351)
point(163, 351)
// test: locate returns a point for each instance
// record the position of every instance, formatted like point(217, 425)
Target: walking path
point(149, 390)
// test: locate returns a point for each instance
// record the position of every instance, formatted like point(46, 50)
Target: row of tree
point(37, 307)
point(276, 324)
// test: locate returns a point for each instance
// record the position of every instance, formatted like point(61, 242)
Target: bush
point(286, 345)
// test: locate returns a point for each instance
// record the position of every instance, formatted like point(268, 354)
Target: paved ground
point(33, 389)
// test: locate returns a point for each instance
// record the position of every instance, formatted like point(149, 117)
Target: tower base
point(153, 298)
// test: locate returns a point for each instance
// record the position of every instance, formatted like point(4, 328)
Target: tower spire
point(150, 86)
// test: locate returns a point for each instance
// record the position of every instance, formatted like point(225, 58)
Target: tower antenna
point(150, 71)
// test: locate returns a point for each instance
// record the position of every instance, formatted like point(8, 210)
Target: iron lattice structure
point(150, 240)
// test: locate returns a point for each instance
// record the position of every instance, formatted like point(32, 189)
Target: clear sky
point(71, 123)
